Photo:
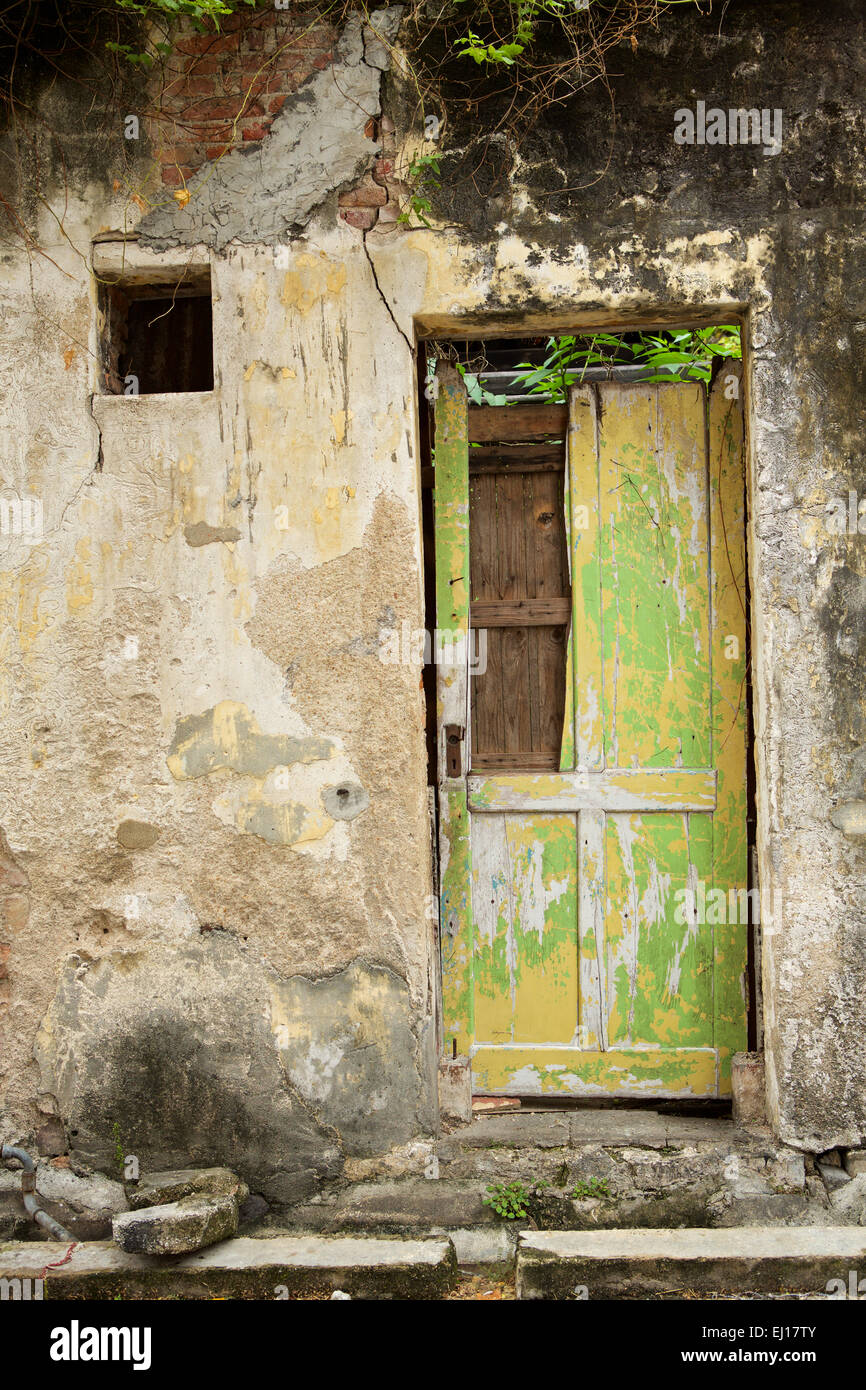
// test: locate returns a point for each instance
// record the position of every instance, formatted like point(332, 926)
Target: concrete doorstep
point(654, 1263)
point(266, 1268)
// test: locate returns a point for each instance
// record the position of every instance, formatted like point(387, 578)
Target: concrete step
point(266, 1268)
point(654, 1263)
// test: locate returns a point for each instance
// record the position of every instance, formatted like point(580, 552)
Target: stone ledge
point(644, 1263)
point(250, 1268)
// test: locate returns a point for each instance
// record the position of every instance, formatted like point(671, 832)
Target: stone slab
point(406, 1204)
point(492, 1245)
point(242, 1268)
point(536, 1131)
point(174, 1228)
point(171, 1185)
point(641, 1263)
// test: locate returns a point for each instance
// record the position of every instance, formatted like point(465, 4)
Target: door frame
point(454, 806)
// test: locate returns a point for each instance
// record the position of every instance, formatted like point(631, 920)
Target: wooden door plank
point(658, 955)
point(451, 512)
point(673, 789)
point(526, 612)
point(551, 572)
point(494, 927)
point(584, 523)
point(522, 457)
point(655, 575)
point(488, 693)
point(482, 537)
point(569, 1071)
point(592, 1030)
point(524, 760)
point(515, 687)
point(514, 651)
point(490, 424)
point(729, 694)
point(536, 736)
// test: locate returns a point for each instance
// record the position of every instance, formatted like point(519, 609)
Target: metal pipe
point(28, 1193)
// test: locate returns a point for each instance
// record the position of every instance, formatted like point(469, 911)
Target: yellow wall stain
point(312, 280)
point(79, 580)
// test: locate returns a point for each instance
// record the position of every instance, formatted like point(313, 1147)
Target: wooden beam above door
point(490, 424)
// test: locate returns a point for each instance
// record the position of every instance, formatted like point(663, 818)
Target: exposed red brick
point(178, 154)
point(213, 108)
point(366, 195)
point(217, 130)
point(363, 218)
point(382, 170)
point(226, 87)
point(204, 66)
point(197, 86)
point(224, 43)
point(320, 37)
point(196, 43)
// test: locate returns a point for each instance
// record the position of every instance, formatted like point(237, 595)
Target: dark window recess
point(157, 339)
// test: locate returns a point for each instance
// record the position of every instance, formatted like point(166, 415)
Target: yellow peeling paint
point(573, 1072)
point(339, 423)
point(79, 580)
point(312, 280)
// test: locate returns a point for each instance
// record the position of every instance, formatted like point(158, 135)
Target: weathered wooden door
point(592, 788)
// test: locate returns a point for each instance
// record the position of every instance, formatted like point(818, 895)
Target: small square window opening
point(157, 335)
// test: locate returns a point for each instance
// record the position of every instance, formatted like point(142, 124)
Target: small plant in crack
point(510, 1200)
point(592, 1187)
point(424, 181)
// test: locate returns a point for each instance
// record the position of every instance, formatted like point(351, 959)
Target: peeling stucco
point(271, 194)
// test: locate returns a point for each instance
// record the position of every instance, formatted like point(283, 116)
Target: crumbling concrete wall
point(216, 876)
point(209, 774)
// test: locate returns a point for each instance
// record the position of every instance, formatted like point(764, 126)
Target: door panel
point(659, 970)
point(524, 884)
point(654, 579)
point(576, 957)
